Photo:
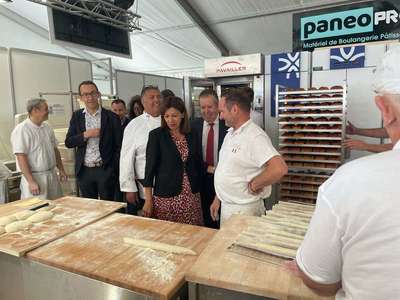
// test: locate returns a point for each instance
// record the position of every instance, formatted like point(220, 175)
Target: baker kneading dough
point(159, 246)
point(23, 215)
point(40, 216)
point(7, 220)
point(18, 226)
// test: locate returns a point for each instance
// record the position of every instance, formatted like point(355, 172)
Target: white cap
point(387, 74)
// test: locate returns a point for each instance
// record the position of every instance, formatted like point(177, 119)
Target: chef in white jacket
point(133, 151)
point(35, 148)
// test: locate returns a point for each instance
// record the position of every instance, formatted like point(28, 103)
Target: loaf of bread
point(336, 87)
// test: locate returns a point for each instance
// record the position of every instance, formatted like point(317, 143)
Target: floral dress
point(185, 207)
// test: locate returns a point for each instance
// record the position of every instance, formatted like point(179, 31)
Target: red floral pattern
point(184, 208)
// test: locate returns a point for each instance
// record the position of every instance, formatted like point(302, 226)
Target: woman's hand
point(148, 208)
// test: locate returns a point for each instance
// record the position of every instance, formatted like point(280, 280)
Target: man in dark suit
point(210, 131)
point(96, 134)
point(118, 107)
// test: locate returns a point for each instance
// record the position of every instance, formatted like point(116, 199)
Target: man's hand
point(91, 133)
point(292, 267)
point(63, 176)
point(355, 144)
point(34, 188)
point(253, 189)
point(148, 208)
point(351, 129)
point(132, 197)
point(214, 209)
point(210, 169)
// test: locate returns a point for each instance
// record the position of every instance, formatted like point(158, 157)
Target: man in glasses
point(134, 144)
point(96, 134)
point(352, 246)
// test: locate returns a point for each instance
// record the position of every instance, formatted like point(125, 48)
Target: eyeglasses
point(93, 94)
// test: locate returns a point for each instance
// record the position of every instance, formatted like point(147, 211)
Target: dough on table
point(159, 246)
point(40, 216)
point(18, 226)
point(2, 230)
point(7, 220)
point(23, 215)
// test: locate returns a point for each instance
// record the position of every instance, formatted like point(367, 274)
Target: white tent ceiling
point(171, 42)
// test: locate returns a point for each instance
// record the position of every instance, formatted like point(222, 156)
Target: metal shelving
point(311, 130)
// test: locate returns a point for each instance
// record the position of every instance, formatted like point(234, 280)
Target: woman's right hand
point(147, 208)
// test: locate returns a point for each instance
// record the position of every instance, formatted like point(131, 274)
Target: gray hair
point(34, 103)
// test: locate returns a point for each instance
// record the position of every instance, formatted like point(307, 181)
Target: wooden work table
point(219, 271)
point(70, 214)
point(97, 251)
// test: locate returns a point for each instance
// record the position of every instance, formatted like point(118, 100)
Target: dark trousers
point(207, 197)
point(97, 183)
point(133, 209)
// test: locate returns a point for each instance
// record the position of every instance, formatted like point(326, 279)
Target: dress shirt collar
point(397, 146)
point(98, 111)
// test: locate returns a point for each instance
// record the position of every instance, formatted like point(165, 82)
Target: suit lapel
point(82, 121)
point(104, 122)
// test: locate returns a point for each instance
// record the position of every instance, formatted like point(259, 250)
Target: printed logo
point(231, 66)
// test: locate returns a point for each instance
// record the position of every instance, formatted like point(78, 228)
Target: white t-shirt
point(241, 158)
point(37, 142)
point(133, 150)
point(354, 235)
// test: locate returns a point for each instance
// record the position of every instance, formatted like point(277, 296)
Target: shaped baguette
point(159, 246)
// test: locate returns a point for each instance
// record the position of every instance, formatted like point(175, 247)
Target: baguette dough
point(18, 226)
point(22, 215)
point(40, 216)
point(7, 220)
point(2, 230)
point(269, 249)
point(159, 246)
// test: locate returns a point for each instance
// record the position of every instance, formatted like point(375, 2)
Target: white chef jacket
point(133, 151)
point(242, 157)
point(354, 234)
point(38, 143)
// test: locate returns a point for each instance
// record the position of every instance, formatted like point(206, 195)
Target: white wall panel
point(128, 84)
point(80, 71)
point(6, 111)
point(35, 72)
point(175, 85)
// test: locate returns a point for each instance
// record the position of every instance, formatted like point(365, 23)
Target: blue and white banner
point(285, 70)
point(347, 57)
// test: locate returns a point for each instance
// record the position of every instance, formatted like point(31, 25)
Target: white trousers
point(49, 185)
point(251, 209)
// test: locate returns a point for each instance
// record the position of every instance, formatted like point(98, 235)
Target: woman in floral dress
point(173, 168)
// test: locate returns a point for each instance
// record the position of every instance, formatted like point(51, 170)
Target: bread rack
point(312, 126)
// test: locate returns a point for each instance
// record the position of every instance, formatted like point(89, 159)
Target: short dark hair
point(249, 92)
point(148, 88)
point(118, 101)
point(179, 105)
point(131, 111)
point(86, 82)
point(167, 93)
point(209, 92)
point(238, 97)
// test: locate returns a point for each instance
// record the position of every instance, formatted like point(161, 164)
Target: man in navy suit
point(96, 134)
point(210, 131)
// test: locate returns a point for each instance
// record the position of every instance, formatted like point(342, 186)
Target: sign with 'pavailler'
point(364, 22)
